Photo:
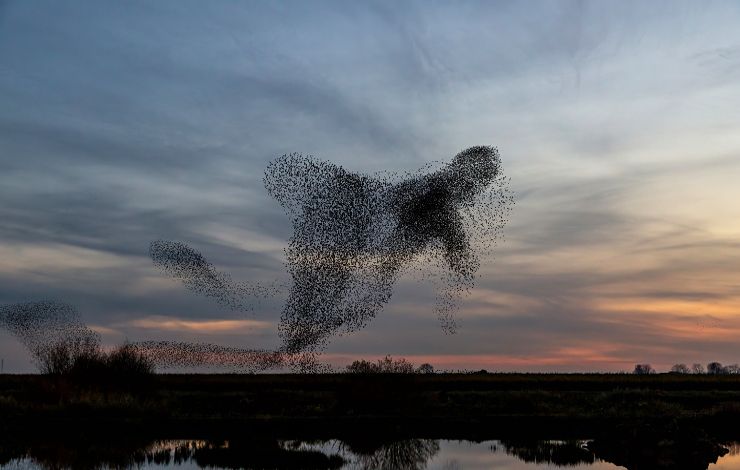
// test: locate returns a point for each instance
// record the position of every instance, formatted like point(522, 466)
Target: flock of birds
point(40, 326)
point(354, 235)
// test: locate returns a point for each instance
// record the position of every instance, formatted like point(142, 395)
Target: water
point(459, 455)
point(263, 453)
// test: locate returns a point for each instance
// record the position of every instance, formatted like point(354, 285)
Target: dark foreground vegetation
point(637, 421)
point(653, 417)
point(138, 396)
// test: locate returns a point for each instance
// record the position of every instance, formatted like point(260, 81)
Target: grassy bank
point(395, 397)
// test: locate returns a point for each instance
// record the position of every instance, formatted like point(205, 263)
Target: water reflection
point(557, 453)
point(118, 454)
point(409, 454)
point(241, 453)
point(659, 447)
point(731, 461)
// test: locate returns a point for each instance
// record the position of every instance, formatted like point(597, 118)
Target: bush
point(680, 369)
point(85, 366)
point(395, 366)
point(363, 367)
point(387, 365)
point(385, 387)
point(425, 368)
point(643, 369)
point(715, 368)
point(67, 355)
point(126, 360)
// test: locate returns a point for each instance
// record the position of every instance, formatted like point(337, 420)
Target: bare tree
point(383, 366)
point(425, 368)
point(733, 369)
point(411, 454)
point(362, 367)
point(67, 354)
point(680, 369)
point(643, 369)
point(396, 366)
point(715, 368)
point(697, 369)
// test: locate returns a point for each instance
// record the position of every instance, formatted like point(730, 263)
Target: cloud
point(208, 327)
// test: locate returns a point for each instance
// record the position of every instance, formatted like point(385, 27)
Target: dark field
point(625, 415)
point(402, 398)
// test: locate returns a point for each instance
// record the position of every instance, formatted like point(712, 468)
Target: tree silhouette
point(425, 368)
point(715, 368)
point(643, 369)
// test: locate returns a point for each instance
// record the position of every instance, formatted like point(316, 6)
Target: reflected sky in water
point(259, 453)
point(414, 454)
point(463, 455)
point(730, 461)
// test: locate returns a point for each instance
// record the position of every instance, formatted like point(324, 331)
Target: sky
point(617, 124)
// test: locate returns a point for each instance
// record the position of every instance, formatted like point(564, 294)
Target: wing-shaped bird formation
point(354, 235)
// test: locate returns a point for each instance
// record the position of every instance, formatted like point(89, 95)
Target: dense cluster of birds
point(188, 266)
point(178, 354)
point(41, 326)
point(354, 236)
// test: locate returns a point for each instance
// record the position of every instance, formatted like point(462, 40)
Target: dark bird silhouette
point(354, 235)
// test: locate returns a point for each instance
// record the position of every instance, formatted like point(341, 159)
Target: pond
point(407, 454)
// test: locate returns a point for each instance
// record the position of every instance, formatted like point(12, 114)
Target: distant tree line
point(388, 365)
point(712, 368)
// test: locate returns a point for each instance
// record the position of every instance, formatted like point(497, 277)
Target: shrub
point(362, 367)
point(680, 369)
point(383, 366)
point(395, 366)
point(387, 386)
point(85, 366)
point(643, 369)
point(66, 355)
point(126, 360)
point(56, 359)
point(425, 368)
